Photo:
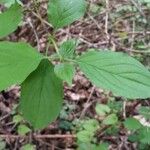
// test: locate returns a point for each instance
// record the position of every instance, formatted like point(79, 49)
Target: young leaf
point(91, 125)
point(10, 19)
point(17, 119)
point(67, 49)
point(111, 119)
point(17, 61)
point(41, 96)
point(117, 72)
point(132, 124)
point(102, 109)
point(64, 12)
point(65, 72)
point(23, 130)
point(85, 136)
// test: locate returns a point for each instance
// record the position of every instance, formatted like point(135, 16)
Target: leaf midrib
point(112, 73)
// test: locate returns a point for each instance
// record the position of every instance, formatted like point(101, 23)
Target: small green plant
point(87, 129)
point(139, 128)
point(139, 133)
point(22, 128)
point(28, 147)
point(41, 81)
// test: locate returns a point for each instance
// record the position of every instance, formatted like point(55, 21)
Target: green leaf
point(41, 96)
point(132, 124)
point(142, 146)
point(65, 72)
point(117, 72)
point(113, 130)
point(102, 146)
point(102, 109)
point(85, 136)
point(65, 125)
point(17, 119)
point(10, 19)
point(89, 146)
point(64, 12)
point(91, 125)
point(115, 106)
point(23, 130)
point(28, 147)
point(110, 119)
point(67, 49)
point(84, 146)
point(144, 135)
point(94, 8)
point(17, 61)
point(134, 137)
point(145, 112)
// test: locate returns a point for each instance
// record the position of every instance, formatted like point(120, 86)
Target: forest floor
point(116, 25)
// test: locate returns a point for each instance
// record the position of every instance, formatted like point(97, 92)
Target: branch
point(46, 136)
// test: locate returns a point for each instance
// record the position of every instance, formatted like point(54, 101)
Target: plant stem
point(52, 40)
point(46, 53)
point(55, 58)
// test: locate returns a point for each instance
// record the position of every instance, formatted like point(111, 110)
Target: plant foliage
point(41, 81)
point(10, 19)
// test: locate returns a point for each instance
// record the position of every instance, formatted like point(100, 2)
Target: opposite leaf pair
point(41, 93)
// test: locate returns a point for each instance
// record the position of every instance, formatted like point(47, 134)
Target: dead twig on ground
point(46, 136)
point(88, 104)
